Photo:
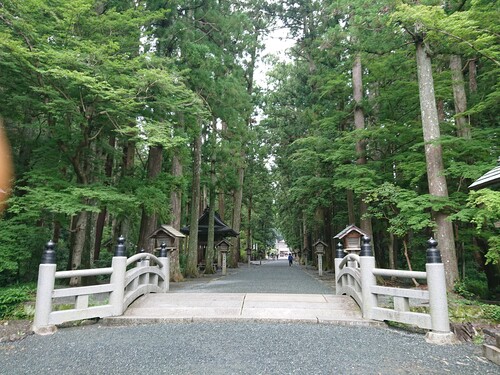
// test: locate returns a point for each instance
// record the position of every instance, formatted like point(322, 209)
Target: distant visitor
point(290, 259)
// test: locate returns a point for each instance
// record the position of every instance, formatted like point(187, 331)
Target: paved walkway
point(265, 291)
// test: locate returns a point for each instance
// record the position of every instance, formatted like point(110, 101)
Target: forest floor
point(13, 330)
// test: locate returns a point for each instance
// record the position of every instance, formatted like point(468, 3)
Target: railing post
point(45, 287)
point(438, 301)
point(165, 261)
point(367, 264)
point(119, 265)
point(339, 255)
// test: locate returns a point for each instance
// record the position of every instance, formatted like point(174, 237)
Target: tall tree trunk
point(249, 227)
point(79, 235)
point(149, 220)
point(192, 254)
point(121, 226)
point(237, 203)
point(434, 161)
point(473, 75)
point(359, 124)
point(350, 207)
point(175, 203)
point(209, 258)
point(101, 217)
point(459, 96)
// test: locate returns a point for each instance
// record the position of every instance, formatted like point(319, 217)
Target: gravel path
point(237, 348)
point(241, 347)
point(270, 277)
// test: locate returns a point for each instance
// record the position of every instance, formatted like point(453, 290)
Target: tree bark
point(209, 258)
point(434, 161)
point(79, 235)
point(359, 124)
point(175, 203)
point(149, 220)
point(460, 97)
point(473, 75)
point(192, 255)
point(101, 217)
point(237, 203)
point(350, 207)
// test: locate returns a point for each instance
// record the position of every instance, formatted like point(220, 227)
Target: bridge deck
point(317, 308)
point(271, 291)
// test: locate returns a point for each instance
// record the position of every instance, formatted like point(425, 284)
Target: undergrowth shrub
point(12, 300)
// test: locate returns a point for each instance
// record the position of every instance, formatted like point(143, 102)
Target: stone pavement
point(265, 291)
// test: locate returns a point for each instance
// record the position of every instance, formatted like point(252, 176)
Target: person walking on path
point(290, 259)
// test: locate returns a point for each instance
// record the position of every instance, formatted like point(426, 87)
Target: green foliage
point(12, 300)
point(466, 310)
point(471, 288)
point(483, 210)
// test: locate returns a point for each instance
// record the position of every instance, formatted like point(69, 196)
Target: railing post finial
point(339, 253)
point(49, 254)
point(433, 254)
point(120, 247)
point(366, 247)
point(163, 250)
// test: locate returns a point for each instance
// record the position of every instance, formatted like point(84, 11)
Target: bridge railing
point(355, 276)
point(150, 274)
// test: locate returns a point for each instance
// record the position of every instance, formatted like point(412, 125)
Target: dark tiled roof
point(221, 229)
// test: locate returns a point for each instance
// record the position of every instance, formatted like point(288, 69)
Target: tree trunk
point(459, 96)
point(192, 254)
point(237, 203)
point(149, 220)
point(79, 235)
point(473, 75)
point(392, 252)
point(101, 217)
point(359, 124)
point(175, 203)
point(350, 207)
point(209, 258)
point(434, 161)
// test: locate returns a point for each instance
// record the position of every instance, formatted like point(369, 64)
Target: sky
point(277, 43)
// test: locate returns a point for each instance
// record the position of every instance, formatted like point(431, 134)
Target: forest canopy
point(124, 115)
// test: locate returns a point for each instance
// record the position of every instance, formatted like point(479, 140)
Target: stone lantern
point(350, 238)
point(223, 247)
point(167, 235)
point(320, 247)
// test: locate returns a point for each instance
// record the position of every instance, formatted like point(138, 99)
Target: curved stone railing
point(348, 277)
point(123, 288)
point(355, 276)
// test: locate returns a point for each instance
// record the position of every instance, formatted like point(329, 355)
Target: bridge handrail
point(349, 257)
point(147, 256)
point(124, 286)
point(365, 290)
point(81, 273)
point(400, 273)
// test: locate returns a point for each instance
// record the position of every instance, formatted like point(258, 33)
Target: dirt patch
point(13, 330)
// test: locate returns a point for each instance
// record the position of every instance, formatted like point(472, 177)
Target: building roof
point(221, 229)
point(348, 230)
point(169, 230)
point(491, 177)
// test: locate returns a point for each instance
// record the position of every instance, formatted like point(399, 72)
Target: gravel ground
point(241, 347)
point(238, 348)
point(270, 277)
